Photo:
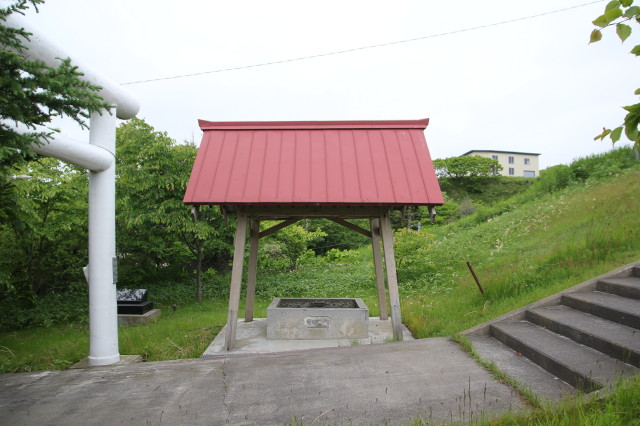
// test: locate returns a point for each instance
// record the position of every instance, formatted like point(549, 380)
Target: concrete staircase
point(585, 338)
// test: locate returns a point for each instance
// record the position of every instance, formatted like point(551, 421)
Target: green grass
point(51, 348)
point(620, 408)
point(521, 256)
point(185, 333)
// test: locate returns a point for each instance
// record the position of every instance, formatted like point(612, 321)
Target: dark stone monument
point(133, 302)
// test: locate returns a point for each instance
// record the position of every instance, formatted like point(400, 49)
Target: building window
point(529, 173)
point(512, 160)
point(512, 171)
point(494, 157)
point(527, 161)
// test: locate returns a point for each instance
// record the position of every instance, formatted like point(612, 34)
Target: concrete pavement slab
point(371, 384)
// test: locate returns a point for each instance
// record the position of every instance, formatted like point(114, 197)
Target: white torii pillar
point(99, 158)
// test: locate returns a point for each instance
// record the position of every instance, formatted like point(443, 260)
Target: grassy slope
point(538, 249)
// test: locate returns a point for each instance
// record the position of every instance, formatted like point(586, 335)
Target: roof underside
point(355, 163)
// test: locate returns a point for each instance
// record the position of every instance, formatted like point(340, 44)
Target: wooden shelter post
point(377, 265)
point(392, 277)
point(253, 265)
point(236, 280)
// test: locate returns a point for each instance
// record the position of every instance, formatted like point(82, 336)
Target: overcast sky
point(533, 85)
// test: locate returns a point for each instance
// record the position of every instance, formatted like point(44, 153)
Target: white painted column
point(103, 314)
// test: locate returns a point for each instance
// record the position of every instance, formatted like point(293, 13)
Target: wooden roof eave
point(288, 211)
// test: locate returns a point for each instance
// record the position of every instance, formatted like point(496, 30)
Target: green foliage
point(289, 243)
point(43, 232)
point(418, 273)
point(618, 13)
point(471, 172)
point(158, 238)
point(185, 333)
point(602, 166)
point(549, 243)
point(448, 212)
point(553, 179)
point(620, 407)
point(46, 310)
point(467, 166)
point(593, 168)
point(412, 251)
point(344, 257)
point(494, 192)
point(328, 280)
point(337, 236)
point(43, 229)
point(32, 93)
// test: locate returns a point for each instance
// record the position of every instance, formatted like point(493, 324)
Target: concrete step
point(519, 367)
point(605, 305)
point(616, 340)
point(580, 366)
point(621, 286)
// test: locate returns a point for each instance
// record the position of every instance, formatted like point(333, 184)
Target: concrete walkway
point(432, 379)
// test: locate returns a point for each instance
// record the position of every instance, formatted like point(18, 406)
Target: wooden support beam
point(377, 265)
point(392, 277)
point(276, 228)
point(236, 281)
point(351, 226)
point(253, 266)
point(281, 212)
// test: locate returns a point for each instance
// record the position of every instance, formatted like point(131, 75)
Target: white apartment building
point(523, 164)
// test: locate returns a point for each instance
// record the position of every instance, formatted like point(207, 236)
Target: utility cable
point(355, 49)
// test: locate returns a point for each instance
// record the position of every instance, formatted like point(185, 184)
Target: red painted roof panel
point(328, 163)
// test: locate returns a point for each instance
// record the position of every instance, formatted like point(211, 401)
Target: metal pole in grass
point(475, 277)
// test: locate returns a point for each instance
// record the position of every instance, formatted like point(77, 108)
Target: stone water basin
point(309, 319)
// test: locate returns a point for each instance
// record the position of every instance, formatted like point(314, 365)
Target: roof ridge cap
point(314, 125)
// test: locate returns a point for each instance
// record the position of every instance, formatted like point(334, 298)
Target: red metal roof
point(323, 163)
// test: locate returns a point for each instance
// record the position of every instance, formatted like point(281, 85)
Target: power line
point(355, 49)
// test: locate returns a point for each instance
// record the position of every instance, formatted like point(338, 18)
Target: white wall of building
point(521, 164)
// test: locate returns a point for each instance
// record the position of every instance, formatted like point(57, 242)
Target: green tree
point(44, 233)
point(618, 14)
point(158, 238)
point(32, 93)
point(290, 242)
point(466, 167)
point(38, 202)
point(336, 236)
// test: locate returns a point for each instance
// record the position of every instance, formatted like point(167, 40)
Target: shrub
point(342, 256)
point(600, 166)
point(46, 310)
point(553, 179)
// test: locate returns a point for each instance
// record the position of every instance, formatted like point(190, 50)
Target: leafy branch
point(33, 93)
point(617, 13)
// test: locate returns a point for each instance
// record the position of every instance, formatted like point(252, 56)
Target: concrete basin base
point(310, 319)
